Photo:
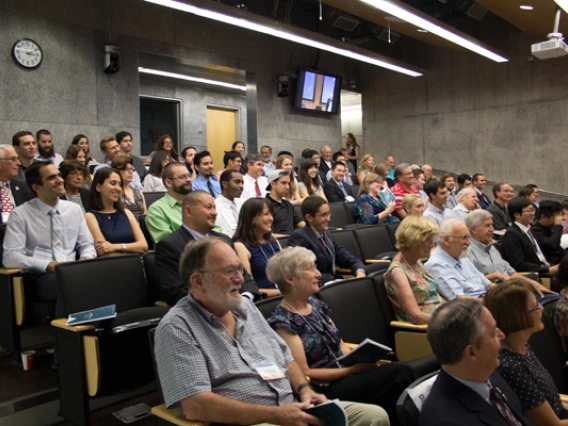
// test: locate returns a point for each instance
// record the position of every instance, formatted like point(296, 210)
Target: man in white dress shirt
point(254, 184)
point(229, 202)
point(44, 232)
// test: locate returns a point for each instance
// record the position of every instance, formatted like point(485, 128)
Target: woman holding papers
point(370, 208)
point(304, 323)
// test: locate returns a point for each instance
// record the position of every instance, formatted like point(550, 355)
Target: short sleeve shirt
point(532, 383)
point(195, 354)
point(400, 192)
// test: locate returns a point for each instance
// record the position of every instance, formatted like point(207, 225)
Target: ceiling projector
point(554, 47)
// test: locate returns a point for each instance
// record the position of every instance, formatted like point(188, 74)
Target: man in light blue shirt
point(457, 277)
point(205, 181)
point(266, 155)
point(44, 232)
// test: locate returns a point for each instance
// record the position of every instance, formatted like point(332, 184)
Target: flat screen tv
point(316, 91)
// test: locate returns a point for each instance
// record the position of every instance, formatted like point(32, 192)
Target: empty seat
point(347, 239)
point(375, 242)
point(339, 216)
point(151, 197)
point(392, 227)
point(349, 209)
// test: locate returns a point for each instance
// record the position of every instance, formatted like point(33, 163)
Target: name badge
point(5, 217)
point(349, 199)
point(43, 254)
point(269, 371)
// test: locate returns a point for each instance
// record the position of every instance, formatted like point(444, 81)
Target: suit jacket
point(450, 402)
point(334, 193)
point(324, 167)
point(326, 257)
point(84, 194)
point(20, 191)
point(323, 176)
point(168, 252)
point(520, 252)
point(138, 164)
point(548, 240)
point(484, 200)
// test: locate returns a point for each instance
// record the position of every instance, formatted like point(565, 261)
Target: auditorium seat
point(111, 356)
point(375, 242)
point(349, 209)
point(267, 306)
point(151, 197)
point(392, 227)
point(339, 216)
point(146, 232)
point(407, 412)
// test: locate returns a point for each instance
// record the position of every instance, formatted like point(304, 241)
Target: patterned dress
point(321, 339)
point(368, 207)
point(423, 286)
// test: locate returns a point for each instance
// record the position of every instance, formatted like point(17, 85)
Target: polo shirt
point(194, 354)
point(285, 219)
point(456, 277)
point(399, 192)
point(487, 259)
point(164, 217)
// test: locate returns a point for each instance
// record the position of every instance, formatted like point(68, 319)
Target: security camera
point(111, 58)
point(283, 88)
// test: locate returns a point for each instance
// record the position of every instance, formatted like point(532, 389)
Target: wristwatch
point(302, 386)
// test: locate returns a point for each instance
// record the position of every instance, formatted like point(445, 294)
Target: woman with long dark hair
point(308, 180)
point(153, 180)
point(165, 143)
point(254, 241)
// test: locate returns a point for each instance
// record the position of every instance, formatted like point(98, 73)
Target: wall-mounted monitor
point(316, 91)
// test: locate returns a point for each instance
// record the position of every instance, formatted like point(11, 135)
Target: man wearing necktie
point(335, 189)
point(44, 232)
point(205, 181)
point(519, 245)
point(254, 183)
point(13, 192)
point(450, 267)
point(479, 182)
point(468, 391)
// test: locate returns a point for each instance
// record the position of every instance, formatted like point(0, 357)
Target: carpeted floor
point(17, 383)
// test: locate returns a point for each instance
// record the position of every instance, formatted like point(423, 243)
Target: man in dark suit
point(468, 390)
point(13, 192)
point(335, 189)
point(519, 245)
point(124, 140)
point(548, 231)
point(325, 160)
point(316, 238)
point(479, 183)
point(199, 217)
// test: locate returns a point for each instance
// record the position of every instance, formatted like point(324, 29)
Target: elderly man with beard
point(457, 277)
point(45, 149)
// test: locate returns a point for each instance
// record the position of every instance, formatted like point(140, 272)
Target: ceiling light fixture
point(151, 71)
point(250, 24)
point(526, 7)
point(563, 4)
point(401, 11)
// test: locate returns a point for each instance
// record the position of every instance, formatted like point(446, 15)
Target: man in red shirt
point(405, 176)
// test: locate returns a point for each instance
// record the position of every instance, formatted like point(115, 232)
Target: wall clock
point(27, 53)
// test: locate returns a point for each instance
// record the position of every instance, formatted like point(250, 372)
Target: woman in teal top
point(369, 207)
point(412, 292)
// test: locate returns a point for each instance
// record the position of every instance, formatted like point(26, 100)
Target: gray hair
point(2, 149)
point(454, 326)
point(476, 217)
point(464, 192)
point(253, 157)
point(194, 257)
point(398, 169)
point(447, 228)
point(287, 263)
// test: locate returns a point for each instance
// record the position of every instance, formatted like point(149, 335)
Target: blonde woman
point(367, 166)
point(413, 205)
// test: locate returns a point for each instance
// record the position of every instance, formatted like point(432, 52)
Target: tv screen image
point(318, 92)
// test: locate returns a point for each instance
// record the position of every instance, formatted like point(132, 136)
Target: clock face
point(27, 53)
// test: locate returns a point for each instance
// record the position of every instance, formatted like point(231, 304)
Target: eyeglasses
point(184, 177)
point(324, 215)
point(529, 210)
point(461, 237)
point(76, 173)
point(233, 274)
point(12, 159)
point(430, 241)
point(538, 307)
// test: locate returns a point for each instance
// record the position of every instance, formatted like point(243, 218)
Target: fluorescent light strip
point(399, 12)
point(526, 7)
point(563, 4)
point(189, 78)
point(250, 25)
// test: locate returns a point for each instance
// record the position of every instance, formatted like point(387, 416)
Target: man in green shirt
point(165, 215)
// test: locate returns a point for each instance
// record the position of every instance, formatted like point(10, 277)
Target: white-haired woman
point(303, 322)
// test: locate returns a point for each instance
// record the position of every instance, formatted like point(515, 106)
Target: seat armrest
point(564, 400)
point(409, 326)
point(343, 270)
point(161, 304)
point(62, 323)
point(10, 271)
point(385, 261)
point(174, 416)
point(351, 345)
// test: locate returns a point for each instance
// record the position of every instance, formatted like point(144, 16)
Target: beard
point(182, 189)
point(45, 153)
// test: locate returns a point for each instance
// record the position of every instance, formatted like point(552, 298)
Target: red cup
point(28, 360)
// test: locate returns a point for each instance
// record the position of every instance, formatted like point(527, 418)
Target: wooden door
point(222, 131)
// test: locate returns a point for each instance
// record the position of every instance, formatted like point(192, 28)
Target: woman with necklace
point(254, 242)
point(412, 292)
point(303, 322)
point(518, 315)
point(115, 230)
point(369, 208)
